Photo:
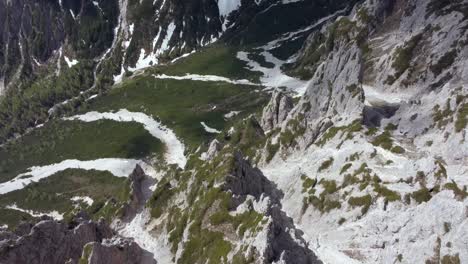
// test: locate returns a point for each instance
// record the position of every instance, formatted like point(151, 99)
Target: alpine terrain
point(233, 131)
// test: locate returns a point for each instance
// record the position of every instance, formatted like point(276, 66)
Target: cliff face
point(52, 242)
point(395, 70)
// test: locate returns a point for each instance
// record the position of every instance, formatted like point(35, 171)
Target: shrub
point(444, 62)
point(326, 164)
point(345, 168)
point(403, 57)
point(447, 259)
point(341, 221)
point(389, 195)
point(398, 150)
point(272, 149)
point(459, 193)
point(383, 140)
point(462, 118)
point(364, 201)
point(422, 195)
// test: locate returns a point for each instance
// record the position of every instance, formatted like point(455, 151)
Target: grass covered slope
point(182, 104)
point(57, 192)
point(61, 140)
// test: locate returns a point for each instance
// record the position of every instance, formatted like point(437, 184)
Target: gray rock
point(276, 111)
point(212, 151)
point(137, 198)
point(117, 250)
point(52, 242)
point(284, 241)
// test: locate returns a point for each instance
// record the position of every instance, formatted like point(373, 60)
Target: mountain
point(246, 131)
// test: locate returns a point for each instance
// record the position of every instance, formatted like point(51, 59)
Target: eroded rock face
point(137, 198)
point(283, 241)
point(213, 149)
point(117, 250)
point(50, 241)
point(246, 180)
point(276, 111)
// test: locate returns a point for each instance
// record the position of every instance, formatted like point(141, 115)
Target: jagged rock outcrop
point(137, 197)
point(213, 149)
point(116, 250)
point(50, 241)
point(283, 241)
point(246, 180)
point(276, 111)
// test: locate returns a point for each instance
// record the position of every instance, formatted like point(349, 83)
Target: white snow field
point(204, 78)
point(175, 148)
point(54, 214)
point(209, 129)
point(274, 77)
point(84, 199)
point(71, 62)
point(118, 167)
point(139, 229)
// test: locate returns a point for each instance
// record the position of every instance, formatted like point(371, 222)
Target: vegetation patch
point(402, 58)
point(326, 164)
point(272, 149)
point(345, 168)
point(383, 140)
point(307, 183)
point(448, 259)
point(347, 131)
point(294, 129)
point(442, 171)
point(61, 140)
point(353, 89)
point(422, 195)
point(388, 194)
point(183, 104)
point(461, 194)
point(442, 117)
point(23, 108)
point(218, 60)
point(363, 201)
point(246, 221)
point(462, 118)
point(55, 192)
point(397, 150)
point(444, 62)
point(326, 201)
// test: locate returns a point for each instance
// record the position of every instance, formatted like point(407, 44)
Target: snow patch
point(118, 167)
point(209, 129)
point(204, 78)
point(83, 199)
point(376, 97)
point(144, 61)
point(274, 77)
point(72, 14)
point(226, 7)
point(231, 114)
point(139, 230)
point(54, 214)
point(175, 148)
point(69, 62)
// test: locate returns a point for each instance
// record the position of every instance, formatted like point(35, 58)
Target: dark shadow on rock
point(246, 180)
point(373, 115)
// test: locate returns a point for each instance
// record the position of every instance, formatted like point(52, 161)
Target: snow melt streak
point(118, 167)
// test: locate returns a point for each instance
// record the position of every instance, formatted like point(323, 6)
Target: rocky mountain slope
point(234, 131)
